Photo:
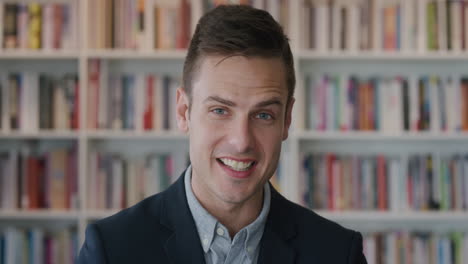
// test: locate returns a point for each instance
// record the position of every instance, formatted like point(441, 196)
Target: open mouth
point(236, 165)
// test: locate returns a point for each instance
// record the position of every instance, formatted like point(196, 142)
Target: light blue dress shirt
point(217, 244)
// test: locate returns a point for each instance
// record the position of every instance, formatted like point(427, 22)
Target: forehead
point(241, 76)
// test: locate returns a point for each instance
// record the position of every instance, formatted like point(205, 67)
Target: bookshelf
point(410, 60)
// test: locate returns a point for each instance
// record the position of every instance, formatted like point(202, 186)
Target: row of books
point(385, 25)
point(30, 180)
point(140, 102)
point(116, 182)
point(403, 247)
point(38, 246)
point(278, 9)
point(428, 103)
point(417, 182)
point(126, 24)
point(39, 25)
point(30, 101)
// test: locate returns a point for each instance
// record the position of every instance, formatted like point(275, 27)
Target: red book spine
point(33, 182)
point(76, 111)
point(381, 183)
point(149, 106)
point(57, 26)
point(329, 160)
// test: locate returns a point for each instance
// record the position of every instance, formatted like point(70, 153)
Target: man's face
point(237, 122)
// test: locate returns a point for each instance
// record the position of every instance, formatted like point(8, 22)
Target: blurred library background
point(379, 141)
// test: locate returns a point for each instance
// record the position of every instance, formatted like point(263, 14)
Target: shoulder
point(127, 233)
point(133, 220)
point(317, 238)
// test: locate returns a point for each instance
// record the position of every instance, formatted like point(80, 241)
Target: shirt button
point(220, 231)
point(249, 249)
point(205, 241)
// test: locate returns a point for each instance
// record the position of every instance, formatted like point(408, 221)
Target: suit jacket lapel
point(275, 245)
point(183, 245)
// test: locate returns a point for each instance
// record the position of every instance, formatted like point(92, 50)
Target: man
point(235, 105)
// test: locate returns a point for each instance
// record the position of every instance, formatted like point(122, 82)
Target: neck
point(234, 216)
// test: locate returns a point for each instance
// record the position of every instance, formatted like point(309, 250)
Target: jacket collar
point(275, 245)
point(183, 244)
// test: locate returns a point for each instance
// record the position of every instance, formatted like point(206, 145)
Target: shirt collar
point(206, 223)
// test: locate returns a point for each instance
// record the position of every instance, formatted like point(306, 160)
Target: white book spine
point(413, 99)
point(34, 102)
point(437, 178)
point(465, 181)
point(47, 24)
point(140, 95)
point(456, 28)
point(149, 25)
point(22, 25)
point(2, 7)
point(322, 27)
point(5, 102)
point(442, 24)
point(343, 121)
point(459, 184)
point(378, 25)
point(258, 4)
point(398, 108)
point(158, 105)
point(434, 103)
point(12, 182)
point(449, 103)
point(466, 34)
point(104, 95)
point(370, 249)
point(11, 245)
point(353, 28)
point(330, 104)
point(422, 22)
point(117, 183)
point(336, 27)
point(23, 101)
point(92, 181)
point(457, 103)
point(395, 178)
point(274, 9)
point(306, 24)
point(174, 84)
point(385, 95)
point(391, 247)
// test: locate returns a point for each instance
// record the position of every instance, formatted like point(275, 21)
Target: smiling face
point(239, 116)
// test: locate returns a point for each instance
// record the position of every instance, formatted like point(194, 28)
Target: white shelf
point(98, 214)
point(137, 54)
point(381, 55)
point(444, 217)
point(39, 135)
point(39, 215)
point(39, 54)
point(112, 134)
point(380, 136)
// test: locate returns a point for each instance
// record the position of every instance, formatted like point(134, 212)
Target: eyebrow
point(273, 101)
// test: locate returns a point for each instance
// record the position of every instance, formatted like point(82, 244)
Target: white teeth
point(237, 165)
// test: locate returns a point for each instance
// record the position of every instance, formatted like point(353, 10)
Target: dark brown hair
point(238, 30)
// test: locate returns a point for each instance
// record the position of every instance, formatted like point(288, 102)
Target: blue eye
point(219, 111)
point(264, 116)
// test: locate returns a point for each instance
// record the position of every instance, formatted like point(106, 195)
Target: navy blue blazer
point(161, 229)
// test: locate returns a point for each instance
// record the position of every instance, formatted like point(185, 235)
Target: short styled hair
point(238, 30)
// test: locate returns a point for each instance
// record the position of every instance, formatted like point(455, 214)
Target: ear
point(182, 110)
point(288, 118)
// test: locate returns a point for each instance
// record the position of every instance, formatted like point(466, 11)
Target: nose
point(241, 135)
